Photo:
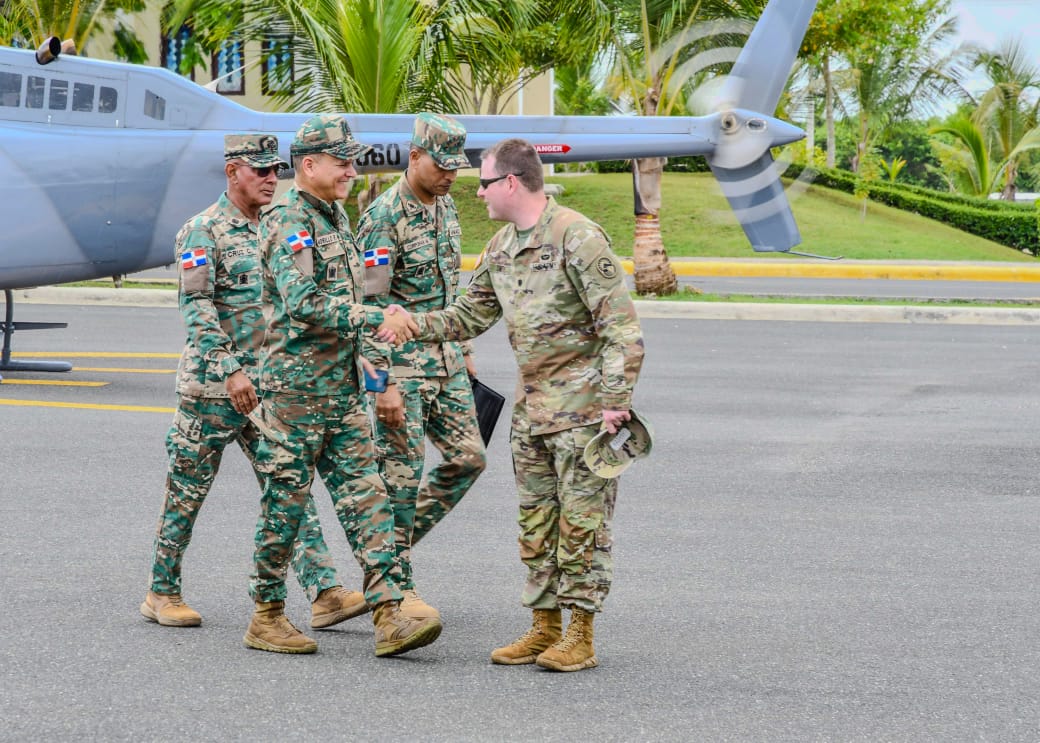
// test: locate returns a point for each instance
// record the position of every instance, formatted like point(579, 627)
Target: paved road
point(835, 539)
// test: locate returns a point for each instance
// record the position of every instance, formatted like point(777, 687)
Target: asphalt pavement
point(835, 539)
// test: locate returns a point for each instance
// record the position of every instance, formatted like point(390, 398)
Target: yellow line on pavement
point(95, 355)
point(54, 383)
point(85, 406)
point(122, 370)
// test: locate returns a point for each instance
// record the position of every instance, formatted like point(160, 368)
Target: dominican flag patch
point(377, 257)
point(193, 258)
point(300, 240)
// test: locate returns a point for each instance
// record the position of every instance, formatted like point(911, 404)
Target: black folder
point(489, 405)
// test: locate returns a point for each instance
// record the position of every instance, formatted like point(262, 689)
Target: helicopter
point(104, 161)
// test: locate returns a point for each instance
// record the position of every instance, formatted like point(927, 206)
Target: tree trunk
point(828, 97)
point(653, 272)
point(810, 132)
point(1010, 176)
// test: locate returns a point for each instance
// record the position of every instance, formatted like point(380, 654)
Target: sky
point(988, 22)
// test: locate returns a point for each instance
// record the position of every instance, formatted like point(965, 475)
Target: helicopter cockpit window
point(83, 97)
point(108, 99)
point(10, 89)
point(59, 97)
point(34, 90)
point(154, 105)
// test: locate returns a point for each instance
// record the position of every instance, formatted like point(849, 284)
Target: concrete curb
point(648, 309)
point(837, 313)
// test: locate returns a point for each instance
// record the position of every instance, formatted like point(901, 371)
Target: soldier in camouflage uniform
point(220, 302)
point(410, 236)
point(314, 413)
point(578, 344)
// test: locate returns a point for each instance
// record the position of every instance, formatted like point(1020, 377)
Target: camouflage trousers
point(566, 513)
point(333, 436)
point(441, 408)
point(202, 428)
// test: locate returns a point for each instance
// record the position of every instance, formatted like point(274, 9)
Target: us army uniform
point(579, 348)
point(220, 303)
point(412, 258)
point(315, 415)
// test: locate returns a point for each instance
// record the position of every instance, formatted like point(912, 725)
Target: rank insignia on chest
point(377, 257)
point(299, 241)
point(194, 258)
point(331, 272)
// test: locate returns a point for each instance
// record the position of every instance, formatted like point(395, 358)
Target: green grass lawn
point(697, 222)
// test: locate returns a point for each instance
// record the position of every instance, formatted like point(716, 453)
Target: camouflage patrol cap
point(329, 133)
point(610, 454)
point(257, 150)
point(443, 137)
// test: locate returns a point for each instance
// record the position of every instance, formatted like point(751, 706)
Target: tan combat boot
point(335, 605)
point(574, 652)
point(398, 633)
point(546, 628)
point(414, 607)
point(169, 611)
point(271, 630)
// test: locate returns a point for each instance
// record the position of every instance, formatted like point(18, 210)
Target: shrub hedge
point(1013, 224)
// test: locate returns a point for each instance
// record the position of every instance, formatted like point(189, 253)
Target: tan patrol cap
point(257, 150)
point(329, 133)
point(443, 137)
point(610, 454)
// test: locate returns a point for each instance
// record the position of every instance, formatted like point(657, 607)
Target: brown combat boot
point(546, 628)
point(414, 607)
point(169, 611)
point(335, 605)
point(271, 630)
point(398, 633)
point(574, 652)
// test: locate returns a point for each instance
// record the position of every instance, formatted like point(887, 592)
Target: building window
point(277, 58)
point(228, 66)
point(171, 50)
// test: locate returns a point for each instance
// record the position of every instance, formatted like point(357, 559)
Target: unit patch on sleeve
point(606, 267)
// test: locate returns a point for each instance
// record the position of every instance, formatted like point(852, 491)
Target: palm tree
point(971, 165)
point(891, 81)
point(28, 23)
point(671, 46)
point(1005, 110)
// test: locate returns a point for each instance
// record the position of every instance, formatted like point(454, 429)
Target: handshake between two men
point(398, 325)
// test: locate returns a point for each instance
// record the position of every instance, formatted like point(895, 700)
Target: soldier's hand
point(241, 392)
point(398, 325)
point(471, 368)
point(612, 419)
point(390, 407)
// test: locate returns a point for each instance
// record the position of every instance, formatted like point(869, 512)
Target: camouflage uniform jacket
point(571, 321)
point(413, 260)
point(313, 285)
point(219, 299)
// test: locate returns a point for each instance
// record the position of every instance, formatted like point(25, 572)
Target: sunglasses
point(266, 170)
point(485, 182)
